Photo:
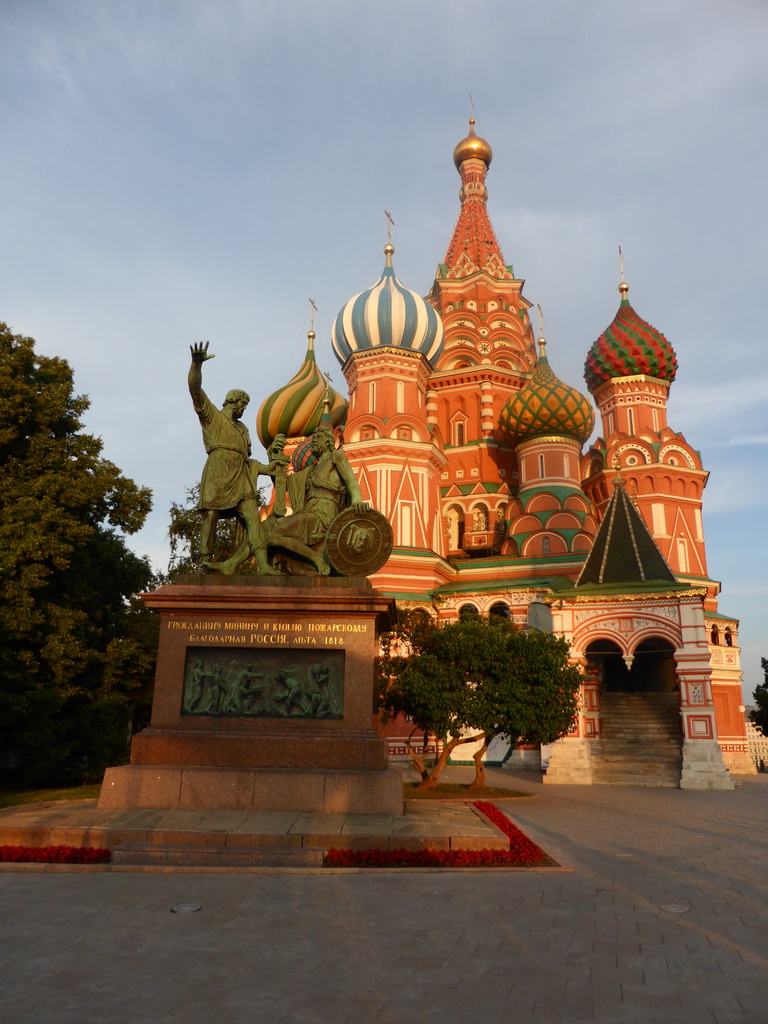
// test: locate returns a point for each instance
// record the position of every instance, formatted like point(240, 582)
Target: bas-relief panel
point(584, 614)
point(258, 683)
point(695, 693)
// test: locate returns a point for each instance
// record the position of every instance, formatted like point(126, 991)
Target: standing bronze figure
point(228, 485)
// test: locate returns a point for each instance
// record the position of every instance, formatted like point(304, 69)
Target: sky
point(185, 170)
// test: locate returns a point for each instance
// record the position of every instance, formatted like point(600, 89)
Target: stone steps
point(670, 781)
point(200, 855)
point(640, 743)
point(650, 758)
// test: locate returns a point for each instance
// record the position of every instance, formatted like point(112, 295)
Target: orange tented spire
point(474, 245)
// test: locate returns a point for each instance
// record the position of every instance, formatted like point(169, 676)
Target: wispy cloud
point(755, 439)
point(701, 403)
point(734, 489)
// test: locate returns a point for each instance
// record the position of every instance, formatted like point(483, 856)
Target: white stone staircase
point(640, 742)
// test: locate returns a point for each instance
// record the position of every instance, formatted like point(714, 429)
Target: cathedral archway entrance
point(652, 669)
point(640, 740)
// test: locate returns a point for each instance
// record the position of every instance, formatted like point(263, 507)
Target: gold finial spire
point(326, 414)
point(618, 479)
point(623, 287)
point(389, 248)
point(541, 341)
point(311, 333)
point(390, 225)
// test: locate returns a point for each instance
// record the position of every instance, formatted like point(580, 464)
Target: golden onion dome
point(472, 147)
point(296, 409)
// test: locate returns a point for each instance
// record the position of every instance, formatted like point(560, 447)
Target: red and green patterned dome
point(546, 406)
point(629, 347)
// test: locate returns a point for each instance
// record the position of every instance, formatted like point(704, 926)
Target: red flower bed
point(54, 855)
point(420, 858)
point(519, 843)
point(521, 853)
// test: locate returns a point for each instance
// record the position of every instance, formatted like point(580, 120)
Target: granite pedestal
point(263, 700)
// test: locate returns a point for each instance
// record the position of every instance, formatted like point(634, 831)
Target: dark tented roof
point(624, 551)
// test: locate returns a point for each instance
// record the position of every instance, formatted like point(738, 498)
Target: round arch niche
point(467, 611)
point(499, 609)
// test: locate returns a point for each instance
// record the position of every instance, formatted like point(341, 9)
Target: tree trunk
point(479, 780)
point(432, 779)
point(418, 762)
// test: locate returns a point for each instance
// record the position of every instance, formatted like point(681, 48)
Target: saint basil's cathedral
point(464, 437)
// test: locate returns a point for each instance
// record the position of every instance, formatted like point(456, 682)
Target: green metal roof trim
point(397, 595)
point(423, 553)
point(513, 561)
point(697, 581)
point(465, 489)
point(556, 583)
point(624, 552)
point(569, 557)
point(606, 589)
point(567, 535)
point(560, 492)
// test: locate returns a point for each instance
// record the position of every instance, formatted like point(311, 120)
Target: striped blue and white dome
point(387, 315)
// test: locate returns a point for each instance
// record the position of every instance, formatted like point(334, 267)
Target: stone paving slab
point(442, 825)
point(591, 945)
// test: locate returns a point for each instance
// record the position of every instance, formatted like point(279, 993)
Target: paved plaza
point(559, 947)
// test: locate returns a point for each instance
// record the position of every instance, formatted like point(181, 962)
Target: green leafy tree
point(76, 652)
point(476, 679)
point(759, 714)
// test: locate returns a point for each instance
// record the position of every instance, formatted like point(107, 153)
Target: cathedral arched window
point(714, 635)
point(728, 637)
point(545, 546)
point(500, 609)
point(454, 520)
point(682, 555)
point(406, 521)
point(467, 611)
